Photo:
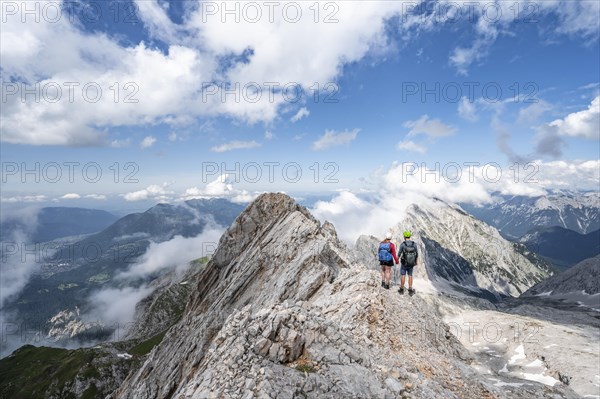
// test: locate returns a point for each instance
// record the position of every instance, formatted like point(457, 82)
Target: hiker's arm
point(393, 250)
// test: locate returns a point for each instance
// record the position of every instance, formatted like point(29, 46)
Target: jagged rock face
point(457, 248)
point(283, 310)
point(164, 306)
point(66, 324)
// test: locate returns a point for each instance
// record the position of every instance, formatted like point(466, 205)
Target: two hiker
point(408, 255)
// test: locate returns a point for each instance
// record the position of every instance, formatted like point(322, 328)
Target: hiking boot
point(387, 286)
point(383, 284)
point(401, 290)
point(411, 291)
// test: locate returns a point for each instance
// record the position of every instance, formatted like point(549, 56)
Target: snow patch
point(124, 356)
point(583, 305)
point(536, 363)
point(520, 354)
point(544, 379)
point(500, 384)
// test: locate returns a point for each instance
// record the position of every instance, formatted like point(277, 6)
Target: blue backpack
point(385, 252)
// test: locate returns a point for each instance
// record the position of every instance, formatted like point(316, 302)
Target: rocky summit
point(284, 309)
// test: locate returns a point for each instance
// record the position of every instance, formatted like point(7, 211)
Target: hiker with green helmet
point(409, 256)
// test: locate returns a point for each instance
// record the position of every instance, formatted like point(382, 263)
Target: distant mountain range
point(562, 247)
point(67, 279)
point(55, 222)
point(515, 216)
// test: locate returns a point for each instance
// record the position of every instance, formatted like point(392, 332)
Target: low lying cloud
point(174, 255)
point(17, 266)
point(110, 306)
point(116, 306)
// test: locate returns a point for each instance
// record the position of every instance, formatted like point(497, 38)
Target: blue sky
point(374, 63)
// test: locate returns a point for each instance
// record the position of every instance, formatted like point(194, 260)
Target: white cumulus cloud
point(410, 145)
point(71, 196)
point(302, 112)
point(99, 197)
point(467, 110)
point(431, 128)
point(235, 145)
point(25, 198)
point(166, 85)
point(147, 142)
point(331, 138)
point(153, 192)
point(585, 124)
point(221, 187)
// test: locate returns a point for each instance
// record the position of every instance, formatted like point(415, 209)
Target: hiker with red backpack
point(387, 258)
point(409, 256)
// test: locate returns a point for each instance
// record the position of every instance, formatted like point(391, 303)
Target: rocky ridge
point(284, 309)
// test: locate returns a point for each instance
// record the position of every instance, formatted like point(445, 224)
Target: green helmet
point(407, 234)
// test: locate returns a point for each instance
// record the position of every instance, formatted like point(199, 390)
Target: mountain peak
point(274, 252)
point(274, 205)
point(259, 220)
